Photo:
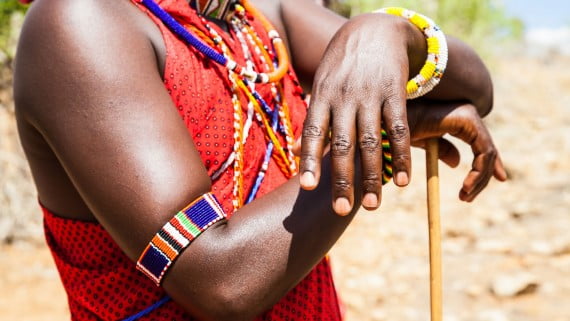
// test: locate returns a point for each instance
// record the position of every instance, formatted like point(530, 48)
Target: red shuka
point(101, 282)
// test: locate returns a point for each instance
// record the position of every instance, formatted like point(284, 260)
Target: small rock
point(551, 248)
point(542, 248)
point(514, 284)
point(474, 290)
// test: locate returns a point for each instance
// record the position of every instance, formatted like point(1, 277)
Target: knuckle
point(399, 132)
point(389, 88)
point(369, 142)
point(342, 184)
point(490, 157)
point(341, 145)
point(371, 182)
point(312, 131)
point(346, 89)
point(308, 157)
point(309, 163)
point(401, 160)
point(323, 85)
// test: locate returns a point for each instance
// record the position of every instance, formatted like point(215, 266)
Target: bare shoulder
point(80, 61)
point(63, 38)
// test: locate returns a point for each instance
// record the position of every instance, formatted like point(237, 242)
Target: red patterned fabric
point(101, 282)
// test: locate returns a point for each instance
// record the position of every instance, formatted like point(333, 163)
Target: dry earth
point(506, 256)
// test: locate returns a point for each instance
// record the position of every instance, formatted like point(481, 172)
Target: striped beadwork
point(387, 159)
point(437, 53)
point(177, 234)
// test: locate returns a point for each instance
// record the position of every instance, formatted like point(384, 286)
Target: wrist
point(416, 46)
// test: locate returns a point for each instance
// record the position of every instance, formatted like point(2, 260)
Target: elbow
point(222, 297)
point(207, 289)
point(226, 304)
point(236, 308)
point(484, 101)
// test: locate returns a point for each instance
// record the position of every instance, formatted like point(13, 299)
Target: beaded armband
point(177, 234)
point(436, 61)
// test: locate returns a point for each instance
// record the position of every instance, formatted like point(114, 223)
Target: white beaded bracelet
point(436, 62)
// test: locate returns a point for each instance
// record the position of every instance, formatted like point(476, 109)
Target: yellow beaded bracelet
point(434, 67)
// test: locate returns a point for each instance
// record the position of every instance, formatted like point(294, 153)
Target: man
point(100, 90)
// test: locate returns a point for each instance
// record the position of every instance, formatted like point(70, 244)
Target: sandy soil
point(506, 256)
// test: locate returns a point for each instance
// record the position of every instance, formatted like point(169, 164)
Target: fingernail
point(342, 206)
point(308, 179)
point(370, 200)
point(401, 179)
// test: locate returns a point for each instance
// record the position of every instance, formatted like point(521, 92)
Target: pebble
point(514, 284)
point(474, 290)
point(559, 246)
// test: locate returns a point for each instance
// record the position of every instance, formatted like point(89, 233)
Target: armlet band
point(177, 234)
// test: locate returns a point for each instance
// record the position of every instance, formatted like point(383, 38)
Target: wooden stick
point(434, 229)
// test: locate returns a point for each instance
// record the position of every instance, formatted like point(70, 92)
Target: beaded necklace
point(217, 9)
point(249, 39)
point(273, 67)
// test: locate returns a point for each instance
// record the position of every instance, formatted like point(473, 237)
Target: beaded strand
point(231, 64)
point(262, 110)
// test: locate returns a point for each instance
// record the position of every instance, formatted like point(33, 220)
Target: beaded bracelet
point(434, 67)
point(177, 234)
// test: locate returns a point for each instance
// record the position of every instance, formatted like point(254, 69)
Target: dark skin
point(85, 66)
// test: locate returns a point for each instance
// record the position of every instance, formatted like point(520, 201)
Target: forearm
point(239, 269)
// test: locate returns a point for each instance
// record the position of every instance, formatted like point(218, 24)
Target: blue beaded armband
point(177, 234)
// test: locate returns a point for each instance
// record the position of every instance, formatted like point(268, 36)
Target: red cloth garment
point(100, 280)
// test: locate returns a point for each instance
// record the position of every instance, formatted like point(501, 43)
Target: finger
point(342, 160)
point(499, 170)
point(478, 177)
point(448, 153)
point(396, 124)
point(315, 129)
point(370, 144)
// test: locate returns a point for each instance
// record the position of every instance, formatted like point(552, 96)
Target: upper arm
point(310, 27)
point(93, 89)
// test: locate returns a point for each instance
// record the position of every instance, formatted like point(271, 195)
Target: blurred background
point(506, 256)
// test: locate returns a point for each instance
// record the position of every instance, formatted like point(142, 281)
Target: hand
point(359, 84)
point(428, 120)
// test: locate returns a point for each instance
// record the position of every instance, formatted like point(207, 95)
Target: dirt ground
point(506, 256)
